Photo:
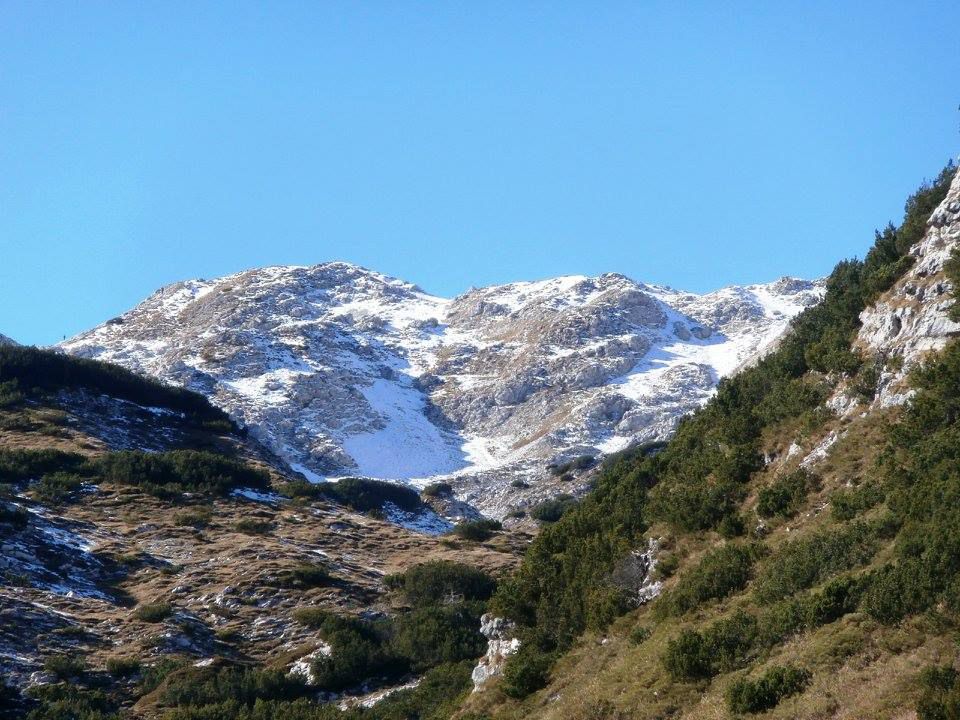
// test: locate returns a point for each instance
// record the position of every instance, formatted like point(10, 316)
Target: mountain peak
point(343, 370)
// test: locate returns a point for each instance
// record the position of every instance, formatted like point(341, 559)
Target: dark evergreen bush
point(21, 465)
point(441, 582)
point(366, 495)
point(476, 530)
point(550, 511)
point(754, 696)
point(46, 370)
point(721, 572)
point(786, 494)
point(171, 473)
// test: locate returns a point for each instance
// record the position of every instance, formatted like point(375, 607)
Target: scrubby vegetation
point(365, 495)
point(437, 489)
point(754, 696)
point(848, 504)
point(550, 511)
point(18, 465)
point(29, 370)
point(59, 475)
point(800, 564)
point(241, 693)
point(698, 482)
point(123, 666)
point(305, 576)
point(169, 474)
point(442, 582)
point(58, 487)
point(153, 612)
point(720, 573)
point(476, 530)
point(785, 495)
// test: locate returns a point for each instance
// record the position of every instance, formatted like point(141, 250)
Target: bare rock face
point(911, 320)
point(4, 340)
point(343, 371)
point(501, 644)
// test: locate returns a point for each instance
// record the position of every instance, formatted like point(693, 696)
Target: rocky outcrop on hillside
point(912, 319)
point(344, 371)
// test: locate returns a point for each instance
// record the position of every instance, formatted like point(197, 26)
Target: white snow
point(426, 522)
point(409, 446)
point(257, 496)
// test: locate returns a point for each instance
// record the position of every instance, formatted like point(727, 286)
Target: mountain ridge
point(342, 370)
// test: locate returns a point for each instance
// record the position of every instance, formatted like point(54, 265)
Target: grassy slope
point(860, 667)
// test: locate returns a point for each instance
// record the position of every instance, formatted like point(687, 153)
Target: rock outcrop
point(501, 644)
point(912, 319)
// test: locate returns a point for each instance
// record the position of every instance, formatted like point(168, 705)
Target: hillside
point(793, 551)
point(340, 370)
point(146, 541)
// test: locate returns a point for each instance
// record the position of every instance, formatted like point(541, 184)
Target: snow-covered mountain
point(344, 371)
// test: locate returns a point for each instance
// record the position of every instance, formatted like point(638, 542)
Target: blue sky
point(455, 144)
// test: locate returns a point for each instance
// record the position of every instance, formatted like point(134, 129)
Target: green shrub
point(476, 530)
point(848, 504)
point(639, 635)
point(171, 473)
point(941, 694)
point(250, 526)
point(59, 487)
point(722, 647)
point(21, 465)
point(720, 573)
point(786, 494)
point(552, 510)
point(365, 495)
point(526, 671)
point(197, 517)
point(754, 696)
point(123, 666)
point(153, 612)
point(305, 576)
point(64, 667)
point(360, 650)
point(17, 517)
point(732, 526)
point(429, 636)
point(584, 462)
point(437, 489)
point(303, 489)
point(50, 371)
point(66, 701)
point(10, 394)
point(800, 564)
point(193, 686)
point(442, 581)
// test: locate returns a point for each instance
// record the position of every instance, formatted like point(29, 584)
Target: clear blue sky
point(455, 144)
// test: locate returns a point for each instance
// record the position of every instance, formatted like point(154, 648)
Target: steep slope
point(340, 370)
point(143, 534)
point(4, 340)
point(792, 551)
